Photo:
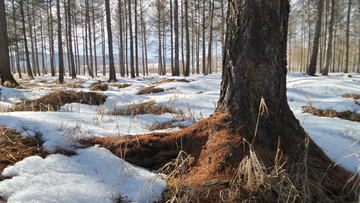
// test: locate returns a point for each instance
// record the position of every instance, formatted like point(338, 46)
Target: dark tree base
point(217, 148)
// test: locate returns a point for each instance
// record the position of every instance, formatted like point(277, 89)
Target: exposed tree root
point(216, 164)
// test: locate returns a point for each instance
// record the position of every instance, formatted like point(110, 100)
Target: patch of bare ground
point(147, 107)
point(170, 80)
point(122, 85)
point(14, 148)
point(54, 100)
point(207, 162)
point(347, 115)
point(150, 90)
point(98, 86)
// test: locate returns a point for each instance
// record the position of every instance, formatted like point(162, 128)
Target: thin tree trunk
point(51, 40)
point(211, 10)
point(347, 38)
point(72, 63)
point(131, 45)
point(159, 47)
point(312, 66)
point(60, 49)
point(94, 38)
point(112, 75)
point(187, 67)
point(16, 41)
point(28, 66)
point(171, 41)
point(121, 48)
point(329, 48)
point(203, 39)
point(176, 30)
point(136, 41)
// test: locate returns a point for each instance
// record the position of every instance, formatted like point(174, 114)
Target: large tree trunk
point(4, 50)
point(329, 47)
point(312, 66)
point(112, 75)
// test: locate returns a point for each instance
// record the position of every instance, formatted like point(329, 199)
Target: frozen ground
point(95, 175)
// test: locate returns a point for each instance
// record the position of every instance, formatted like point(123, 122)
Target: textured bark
point(187, 66)
point(209, 57)
point(203, 39)
point(4, 49)
point(112, 75)
point(136, 41)
point(176, 30)
point(60, 49)
point(131, 44)
point(312, 66)
point(329, 47)
point(72, 63)
point(51, 40)
point(347, 38)
point(16, 41)
point(121, 48)
point(28, 66)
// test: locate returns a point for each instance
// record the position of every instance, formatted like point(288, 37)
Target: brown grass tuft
point(354, 96)
point(10, 84)
point(165, 125)
point(54, 100)
point(143, 108)
point(347, 115)
point(73, 85)
point(123, 85)
point(98, 86)
point(150, 90)
point(170, 80)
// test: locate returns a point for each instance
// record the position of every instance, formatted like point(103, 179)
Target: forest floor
point(45, 158)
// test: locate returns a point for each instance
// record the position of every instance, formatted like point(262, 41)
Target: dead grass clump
point(73, 85)
point(347, 115)
point(10, 84)
point(98, 86)
point(14, 147)
point(354, 96)
point(170, 80)
point(122, 85)
point(150, 90)
point(54, 100)
point(143, 108)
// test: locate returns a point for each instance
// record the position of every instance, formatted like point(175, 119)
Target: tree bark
point(131, 44)
point(209, 57)
point(16, 41)
point(5, 71)
point(121, 48)
point(28, 66)
point(72, 63)
point(203, 39)
point(347, 38)
point(329, 47)
point(112, 75)
point(313, 60)
point(136, 41)
point(187, 67)
point(60, 49)
point(176, 30)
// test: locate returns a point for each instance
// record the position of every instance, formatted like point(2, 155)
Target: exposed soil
point(214, 156)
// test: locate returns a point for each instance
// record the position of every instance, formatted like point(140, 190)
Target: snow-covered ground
point(96, 175)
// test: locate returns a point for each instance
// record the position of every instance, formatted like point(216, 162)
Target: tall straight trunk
point(86, 36)
point(84, 39)
point(192, 39)
point(67, 38)
point(182, 37)
point(72, 63)
point(222, 25)
point(160, 70)
point(28, 66)
point(126, 41)
point(35, 41)
point(60, 49)
point(347, 38)
point(91, 68)
point(136, 41)
point(103, 45)
point(33, 62)
point(164, 48)
point(94, 38)
point(6, 75)
point(211, 10)
point(131, 44)
point(42, 47)
point(16, 41)
point(121, 48)
point(358, 65)
point(198, 40)
point(329, 47)
point(143, 25)
point(203, 39)
point(335, 38)
point(143, 45)
point(112, 75)
point(171, 41)
point(51, 39)
point(309, 34)
point(187, 67)
point(176, 30)
point(313, 60)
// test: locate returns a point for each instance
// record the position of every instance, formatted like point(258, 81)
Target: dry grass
point(54, 100)
point(354, 96)
point(347, 115)
point(73, 85)
point(170, 80)
point(98, 86)
point(147, 107)
point(165, 125)
point(150, 90)
point(10, 85)
point(122, 85)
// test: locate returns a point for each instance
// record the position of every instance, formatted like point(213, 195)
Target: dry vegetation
point(150, 90)
point(170, 80)
point(98, 86)
point(54, 100)
point(122, 85)
point(73, 85)
point(147, 107)
point(14, 148)
point(347, 115)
